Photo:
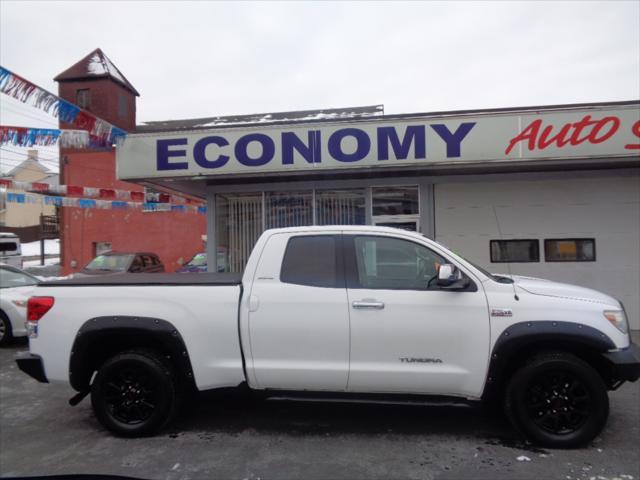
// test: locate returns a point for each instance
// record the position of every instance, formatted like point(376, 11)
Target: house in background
point(97, 85)
point(24, 219)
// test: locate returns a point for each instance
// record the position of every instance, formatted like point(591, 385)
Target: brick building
point(96, 84)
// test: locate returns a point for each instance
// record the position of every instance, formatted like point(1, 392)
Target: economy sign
point(373, 143)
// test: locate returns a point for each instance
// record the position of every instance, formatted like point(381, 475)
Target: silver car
point(16, 287)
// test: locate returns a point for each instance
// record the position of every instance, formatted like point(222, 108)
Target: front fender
point(516, 341)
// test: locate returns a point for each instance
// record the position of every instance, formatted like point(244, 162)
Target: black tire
point(6, 333)
point(134, 393)
point(557, 400)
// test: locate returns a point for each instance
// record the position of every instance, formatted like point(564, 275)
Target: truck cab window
point(312, 261)
point(391, 263)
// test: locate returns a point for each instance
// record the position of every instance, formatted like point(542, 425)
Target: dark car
point(198, 263)
point(121, 262)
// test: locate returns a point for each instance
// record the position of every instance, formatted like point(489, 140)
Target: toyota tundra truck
point(337, 312)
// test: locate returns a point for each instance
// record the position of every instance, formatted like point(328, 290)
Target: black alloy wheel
point(131, 394)
point(557, 400)
point(134, 393)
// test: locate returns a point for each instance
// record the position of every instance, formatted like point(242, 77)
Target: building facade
point(24, 219)
point(95, 84)
point(551, 192)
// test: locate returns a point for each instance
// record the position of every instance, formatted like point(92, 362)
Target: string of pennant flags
point(98, 193)
point(31, 198)
point(86, 130)
point(45, 137)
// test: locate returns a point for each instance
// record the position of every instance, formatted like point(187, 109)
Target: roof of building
point(352, 113)
point(261, 118)
point(28, 164)
point(93, 66)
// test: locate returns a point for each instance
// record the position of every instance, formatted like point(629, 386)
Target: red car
point(123, 262)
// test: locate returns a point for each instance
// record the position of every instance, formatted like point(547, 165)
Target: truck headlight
point(617, 319)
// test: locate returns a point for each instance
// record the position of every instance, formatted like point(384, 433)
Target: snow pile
point(95, 66)
point(51, 279)
point(51, 247)
point(36, 263)
point(101, 65)
point(221, 121)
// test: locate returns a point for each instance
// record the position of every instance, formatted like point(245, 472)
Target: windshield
point(110, 263)
point(198, 260)
point(13, 278)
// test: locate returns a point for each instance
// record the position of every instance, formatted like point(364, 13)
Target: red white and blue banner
point(28, 137)
point(84, 203)
point(99, 193)
point(46, 137)
point(99, 133)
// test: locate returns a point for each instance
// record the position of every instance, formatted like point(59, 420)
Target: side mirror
point(447, 275)
point(450, 278)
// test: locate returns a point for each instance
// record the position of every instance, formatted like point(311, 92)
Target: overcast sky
point(199, 59)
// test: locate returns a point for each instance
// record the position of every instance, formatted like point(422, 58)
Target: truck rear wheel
point(134, 393)
point(557, 400)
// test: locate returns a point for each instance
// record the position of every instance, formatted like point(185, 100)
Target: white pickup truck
point(337, 311)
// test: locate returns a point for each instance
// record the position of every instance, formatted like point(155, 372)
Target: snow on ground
point(36, 263)
point(51, 247)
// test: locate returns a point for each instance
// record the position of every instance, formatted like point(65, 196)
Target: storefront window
point(288, 209)
point(570, 250)
point(340, 207)
point(516, 251)
point(238, 226)
point(242, 217)
point(395, 201)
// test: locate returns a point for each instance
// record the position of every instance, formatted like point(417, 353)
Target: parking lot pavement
point(40, 434)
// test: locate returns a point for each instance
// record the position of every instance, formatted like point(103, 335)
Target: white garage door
point(605, 208)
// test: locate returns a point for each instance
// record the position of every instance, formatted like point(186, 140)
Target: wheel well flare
point(101, 338)
point(522, 341)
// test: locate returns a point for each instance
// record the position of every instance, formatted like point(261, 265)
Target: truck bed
point(142, 279)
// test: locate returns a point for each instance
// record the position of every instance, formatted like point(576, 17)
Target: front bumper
point(32, 365)
point(625, 363)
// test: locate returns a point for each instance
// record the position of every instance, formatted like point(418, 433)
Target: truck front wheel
point(134, 393)
point(557, 400)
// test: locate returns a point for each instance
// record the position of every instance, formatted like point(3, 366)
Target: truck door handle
point(368, 304)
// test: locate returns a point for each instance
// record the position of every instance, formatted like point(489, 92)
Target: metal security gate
point(290, 209)
point(340, 207)
point(244, 227)
point(241, 218)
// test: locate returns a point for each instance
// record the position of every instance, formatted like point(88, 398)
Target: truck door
point(407, 334)
point(298, 318)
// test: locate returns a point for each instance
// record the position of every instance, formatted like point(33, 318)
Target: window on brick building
point(83, 98)
point(122, 105)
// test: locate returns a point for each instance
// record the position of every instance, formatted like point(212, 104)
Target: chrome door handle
point(368, 304)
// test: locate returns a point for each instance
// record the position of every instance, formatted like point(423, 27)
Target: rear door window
point(314, 260)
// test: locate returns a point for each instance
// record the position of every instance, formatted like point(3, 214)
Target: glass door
point(396, 207)
point(404, 222)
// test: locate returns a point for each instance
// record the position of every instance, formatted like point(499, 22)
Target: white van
point(10, 251)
